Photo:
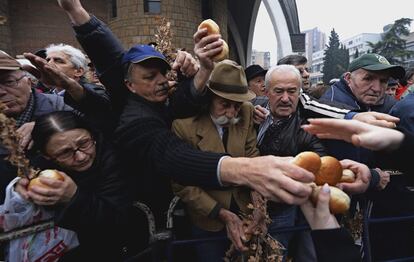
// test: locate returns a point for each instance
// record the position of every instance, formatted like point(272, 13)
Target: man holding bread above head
point(274, 177)
point(224, 126)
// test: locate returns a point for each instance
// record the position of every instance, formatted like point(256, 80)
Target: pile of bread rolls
point(213, 28)
point(327, 169)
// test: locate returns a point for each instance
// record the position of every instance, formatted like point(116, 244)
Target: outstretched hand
point(48, 74)
point(77, 14)
point(51, 76)
point(69, 5)
point(275, 178)
point(355, 132)
point(377, 119)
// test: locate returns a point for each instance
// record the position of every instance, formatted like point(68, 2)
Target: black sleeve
point(99, 204)
point(314, 144)
point(95, 105)
point(184, 102)
point(105, 51)
point(150, 140)
point(335, 245)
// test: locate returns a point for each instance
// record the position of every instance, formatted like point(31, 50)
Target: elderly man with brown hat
point(22, 103)
point(225, 126)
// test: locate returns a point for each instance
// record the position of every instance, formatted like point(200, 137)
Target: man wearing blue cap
point(144, 134)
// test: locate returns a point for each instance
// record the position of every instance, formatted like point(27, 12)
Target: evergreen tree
point(392, 46)
point(356, 55)
point(336, 59)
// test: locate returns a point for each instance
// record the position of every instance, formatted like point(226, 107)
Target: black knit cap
point(253, 71)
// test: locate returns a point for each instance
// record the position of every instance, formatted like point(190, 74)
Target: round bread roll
point(212, 27)
point(49, 173)
point(330, 171)
point(347, 176)
point(308, 160)
point(338, 203)
point(223, 54)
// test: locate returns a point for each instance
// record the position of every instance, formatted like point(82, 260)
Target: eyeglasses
point(68, 154)
point(11, 83)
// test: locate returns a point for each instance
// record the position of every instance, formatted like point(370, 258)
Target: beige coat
point(202, 133)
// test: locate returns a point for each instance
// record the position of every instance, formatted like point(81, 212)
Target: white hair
point(76, 56)
point(282, 69)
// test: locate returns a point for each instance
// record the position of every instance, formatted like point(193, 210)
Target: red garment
point(400, 91)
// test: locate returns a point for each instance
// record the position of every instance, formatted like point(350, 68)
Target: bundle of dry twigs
point(9, 138)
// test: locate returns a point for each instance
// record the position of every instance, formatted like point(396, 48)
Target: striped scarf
point(27, 114)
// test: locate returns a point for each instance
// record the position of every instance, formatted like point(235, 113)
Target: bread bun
point(330, 171)
point(212, 27)
point(347, 176)
point(49, 173)
point(338, 203)
point(308, 160)
point(223, 54)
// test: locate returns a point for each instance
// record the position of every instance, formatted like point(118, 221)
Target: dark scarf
point(27, 114)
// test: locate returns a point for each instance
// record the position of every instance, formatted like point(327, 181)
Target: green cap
point(375, 62)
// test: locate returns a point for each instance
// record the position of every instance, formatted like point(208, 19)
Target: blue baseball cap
point(140, 53)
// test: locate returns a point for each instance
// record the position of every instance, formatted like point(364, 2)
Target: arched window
point(152, 6)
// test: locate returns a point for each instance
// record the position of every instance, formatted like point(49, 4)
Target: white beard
point(224, 120)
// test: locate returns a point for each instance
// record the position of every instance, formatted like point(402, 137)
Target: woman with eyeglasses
point(92, 199)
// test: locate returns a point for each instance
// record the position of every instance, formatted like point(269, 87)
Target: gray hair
point(76, 56)
point(282, 69)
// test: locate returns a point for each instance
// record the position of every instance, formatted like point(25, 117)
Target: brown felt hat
point(7, 62)
point(228, 80)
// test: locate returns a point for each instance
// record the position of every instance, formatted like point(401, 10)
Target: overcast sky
point(348, 17)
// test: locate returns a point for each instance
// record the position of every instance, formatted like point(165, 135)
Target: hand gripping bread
point(213, 28)
point(347, 176)
point(338, 203)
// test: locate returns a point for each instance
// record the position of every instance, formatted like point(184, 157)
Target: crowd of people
point(106, 119)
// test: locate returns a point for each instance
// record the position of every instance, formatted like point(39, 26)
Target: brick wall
point(5, 39)
point(133, 26)
point(36, 23)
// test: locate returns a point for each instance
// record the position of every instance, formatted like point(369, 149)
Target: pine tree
point(393, 46)
point(356, 55)
point(336, 59)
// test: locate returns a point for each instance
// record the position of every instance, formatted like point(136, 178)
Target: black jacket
point(99, 209)
point(154, 154)
point(289, 139)
point(335, 245)
point(147, 146)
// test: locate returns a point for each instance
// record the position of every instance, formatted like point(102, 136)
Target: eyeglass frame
point(15, 82)
point(75, 150)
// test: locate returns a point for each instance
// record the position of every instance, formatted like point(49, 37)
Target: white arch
point(237, 38)
point(273, 8)
point(284, 45)
point(251, 31)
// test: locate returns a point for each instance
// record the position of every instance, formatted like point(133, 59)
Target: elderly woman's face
point(73, 150)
